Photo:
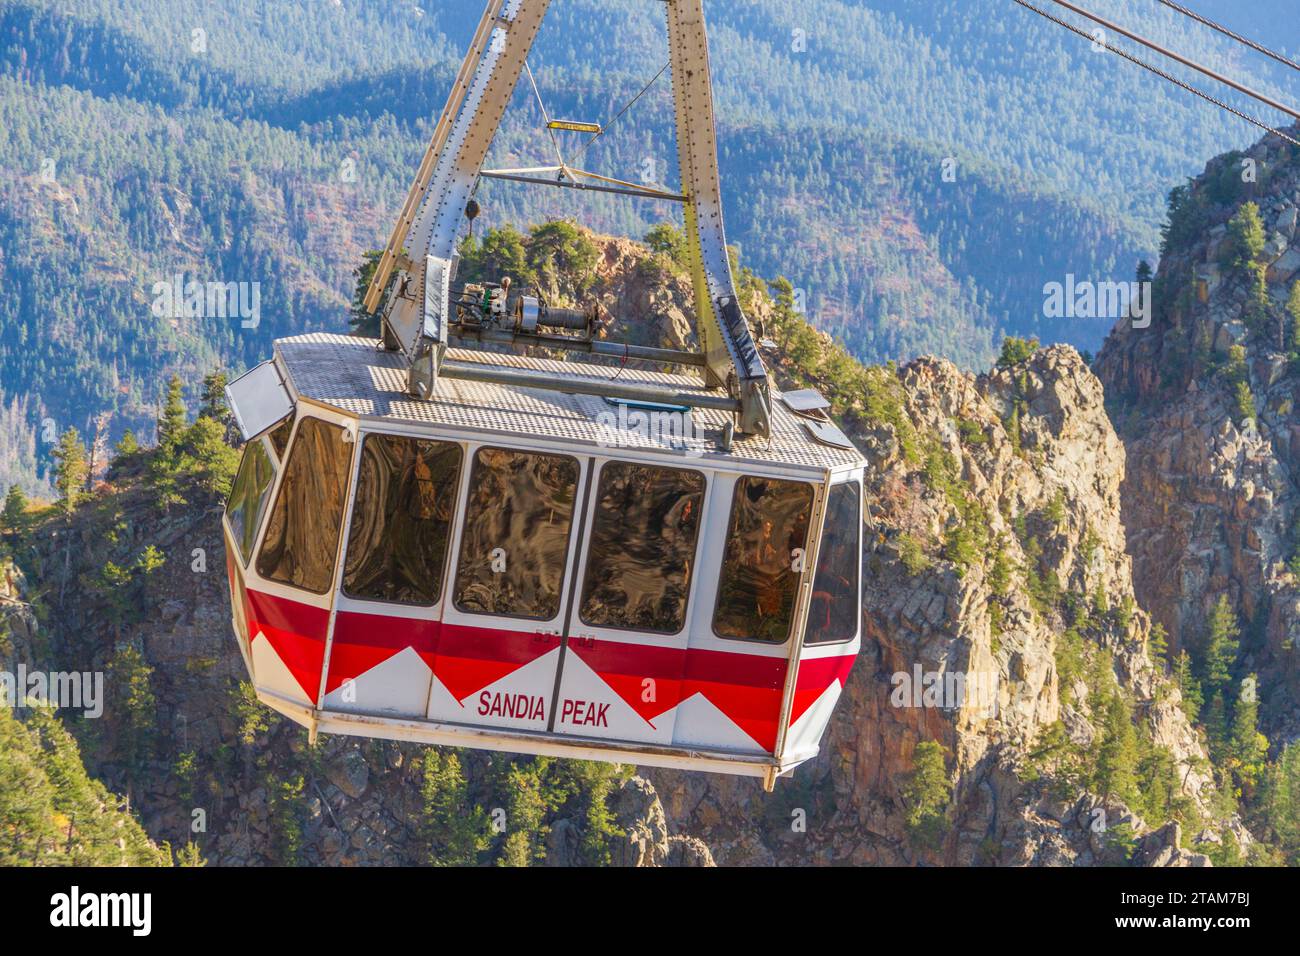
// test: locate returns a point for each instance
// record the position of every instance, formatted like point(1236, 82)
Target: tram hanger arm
point(415, 196)
point(419, 322)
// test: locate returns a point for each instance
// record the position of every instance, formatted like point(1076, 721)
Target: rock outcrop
point(994, 517)
point(1211, 498)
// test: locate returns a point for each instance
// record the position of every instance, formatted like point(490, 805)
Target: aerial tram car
point(430, 540)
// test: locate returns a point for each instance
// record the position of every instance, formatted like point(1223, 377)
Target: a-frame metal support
point(418, 314)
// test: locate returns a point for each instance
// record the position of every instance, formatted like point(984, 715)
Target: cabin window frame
point(264, 505)
point(463, 514)
point(593, 516)
point(856, 483)
point(350, 516)
point(726, 539)
point(344, 516)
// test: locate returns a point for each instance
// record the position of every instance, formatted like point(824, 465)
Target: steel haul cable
point(1161, 73)
point(1206, 21)
point(1179, 58)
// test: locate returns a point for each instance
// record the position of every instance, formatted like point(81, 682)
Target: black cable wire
point(1206, 21)
point(1178, 58)
point(1161, 73)
point(605, 128)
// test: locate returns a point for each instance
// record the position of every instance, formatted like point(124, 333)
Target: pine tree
point(925, 793)
point(1248, 746)
point(171, 420)
point(14, 515)
point(1246, 238)
point(1188, 686)
point(1221, 644)
point(70, 470)
point(1293, 312)
point(190, 856)
point(126, 446)
point(454, 835)
point(1281, 803)
point(1117, 755)
point(1016, 350)
point(212, 402)
point(135, 707)
point(1216, 727)
point(1158, 646)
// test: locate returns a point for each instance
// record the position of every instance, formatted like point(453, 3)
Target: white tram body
point(535, 571)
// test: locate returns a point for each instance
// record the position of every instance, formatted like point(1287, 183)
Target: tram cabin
point(527, 570)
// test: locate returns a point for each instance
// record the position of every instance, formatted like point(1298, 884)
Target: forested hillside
point(271, 143)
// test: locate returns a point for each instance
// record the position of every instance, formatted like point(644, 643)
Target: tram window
point(279, 436)
point(515, 546)
point(248, 496)
point(302, 536)
point(833, 615)
point(642, 548)
point(760, 574)
point(401, 521)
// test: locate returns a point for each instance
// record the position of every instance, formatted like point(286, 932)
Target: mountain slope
point(222, 142)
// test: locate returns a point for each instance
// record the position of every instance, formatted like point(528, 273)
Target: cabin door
point(499, 645)
point(625, 650)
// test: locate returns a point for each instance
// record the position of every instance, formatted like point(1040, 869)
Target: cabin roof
point(354, 375)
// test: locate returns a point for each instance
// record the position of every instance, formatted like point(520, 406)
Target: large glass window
point(248, 496)
point(515, 544)
point(401, 521)
point(760, 564)
point(642, 548)
point(833, 615)
point(302, 537)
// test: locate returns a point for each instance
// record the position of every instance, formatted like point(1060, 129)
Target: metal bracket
point(432, 214)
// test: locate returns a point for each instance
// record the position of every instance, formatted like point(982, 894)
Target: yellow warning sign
point(574, 127)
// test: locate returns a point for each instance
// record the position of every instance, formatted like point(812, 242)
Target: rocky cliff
point(996, 555)
point(1205, 400)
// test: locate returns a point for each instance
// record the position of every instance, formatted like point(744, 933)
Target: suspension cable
point(546, 117)
point(1179, 58)
point(1161, 73)
point(605, 128)
point(1206, 21)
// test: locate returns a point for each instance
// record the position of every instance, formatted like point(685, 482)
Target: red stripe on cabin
point(815, 675)
point(303, 656)
point(626, 668)
point(296, 632)
point(471, 658)
point(287, 615)
point(362, 641)
point(747, 688)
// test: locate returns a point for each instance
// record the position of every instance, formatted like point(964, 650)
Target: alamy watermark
point(63, 690)
point(1074, 299)
point(632, 427)
point(175, 298)
point(946, 690)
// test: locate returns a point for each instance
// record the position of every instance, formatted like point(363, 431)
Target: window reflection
point(514, 548)
point(302, 536)
point(248, 496)
point(760, 576)
point(401, 521)
point(642, 548)
point(833, 615)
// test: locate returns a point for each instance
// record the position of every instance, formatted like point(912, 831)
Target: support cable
point(1206, 21)
point(1162, 74)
